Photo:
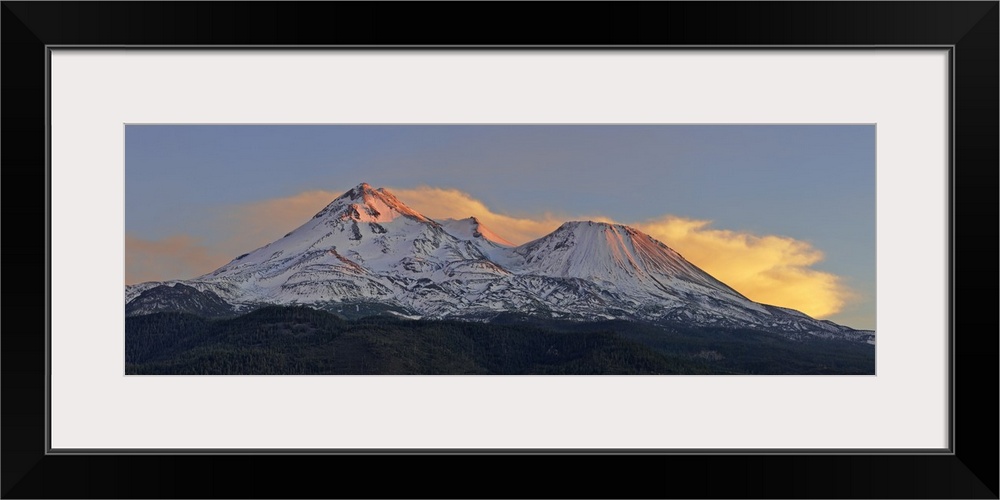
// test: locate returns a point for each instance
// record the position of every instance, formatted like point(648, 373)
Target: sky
point(785, 214)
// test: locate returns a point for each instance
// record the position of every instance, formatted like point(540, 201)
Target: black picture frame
point(970, 29)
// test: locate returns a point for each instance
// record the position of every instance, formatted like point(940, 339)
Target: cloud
point(238, 229)
point(253, 225)
point(438, 203)
point(262, 222)
point(766, 268)
point(174, 257)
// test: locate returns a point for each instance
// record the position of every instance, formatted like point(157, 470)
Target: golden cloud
point(241, 228)
point(257, 224)
point(174, 257)
point(769, 269)
point(262, 222)
point(766, 268)
point(438, 203)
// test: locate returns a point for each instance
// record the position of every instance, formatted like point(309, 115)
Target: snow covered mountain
point(367, 252)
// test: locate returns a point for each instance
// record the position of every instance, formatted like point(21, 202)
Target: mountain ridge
point(368, 247)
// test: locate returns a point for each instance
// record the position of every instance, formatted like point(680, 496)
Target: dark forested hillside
point(304, 341)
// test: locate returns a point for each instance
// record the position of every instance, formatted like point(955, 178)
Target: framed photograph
point(400, 280)
point(726, 254)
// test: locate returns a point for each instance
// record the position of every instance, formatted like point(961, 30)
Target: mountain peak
point(472, 229)
point(357, 192)
point(596, 226)
point(615, 253)
point(364, 203)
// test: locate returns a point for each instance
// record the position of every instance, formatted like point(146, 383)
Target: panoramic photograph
point(500, 250)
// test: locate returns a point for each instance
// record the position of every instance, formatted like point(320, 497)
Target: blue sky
point(811, 184)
